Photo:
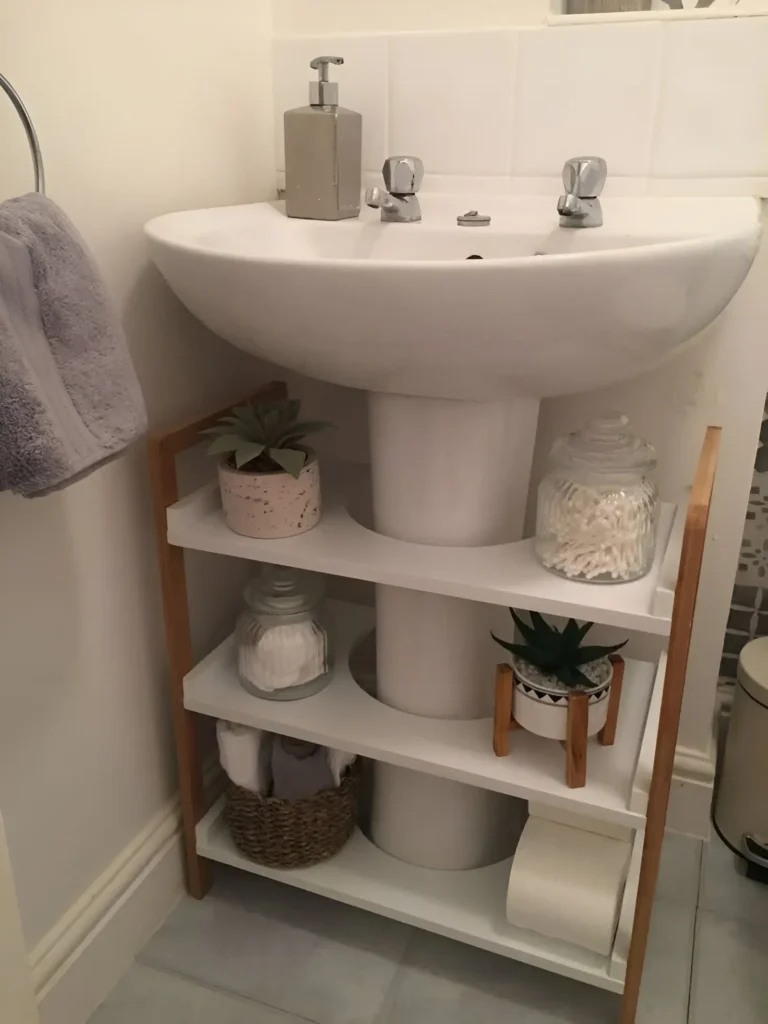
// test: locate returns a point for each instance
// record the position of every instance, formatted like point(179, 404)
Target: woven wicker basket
point(292, 834)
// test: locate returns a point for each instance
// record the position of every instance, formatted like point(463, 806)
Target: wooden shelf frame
point(166, 446)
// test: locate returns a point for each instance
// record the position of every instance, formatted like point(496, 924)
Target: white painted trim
point(695, 765)
point(693, 783)
point(79, 961)
point(17, 998)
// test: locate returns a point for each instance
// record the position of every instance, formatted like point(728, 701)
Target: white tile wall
point(672, 105)
point(451, 100)
point(714, 118)
point(587, 89)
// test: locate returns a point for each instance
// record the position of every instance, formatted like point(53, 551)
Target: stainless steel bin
point(740, 813)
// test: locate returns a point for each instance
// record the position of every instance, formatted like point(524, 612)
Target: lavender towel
point(69, 397)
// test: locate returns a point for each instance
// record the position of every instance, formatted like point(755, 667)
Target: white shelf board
point(505, 574)
point(623, 937)
point(465, 905)
point(345, 717)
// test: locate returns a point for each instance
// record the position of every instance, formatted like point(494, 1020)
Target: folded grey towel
point(69, 397)
point(299, 769)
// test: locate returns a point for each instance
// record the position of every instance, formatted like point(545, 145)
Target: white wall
point(142, 107)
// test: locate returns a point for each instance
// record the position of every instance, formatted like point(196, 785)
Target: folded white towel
point(339, 761)
point(245, 756)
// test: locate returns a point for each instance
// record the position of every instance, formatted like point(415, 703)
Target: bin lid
point(753, 669)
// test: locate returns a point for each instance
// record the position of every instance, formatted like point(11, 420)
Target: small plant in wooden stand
point(269, 476)
point(558, 688)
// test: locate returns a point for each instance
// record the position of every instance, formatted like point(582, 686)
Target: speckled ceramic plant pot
point(541, 701)
point(270, 505)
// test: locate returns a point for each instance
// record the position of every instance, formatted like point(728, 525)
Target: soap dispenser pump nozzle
point(323, 93)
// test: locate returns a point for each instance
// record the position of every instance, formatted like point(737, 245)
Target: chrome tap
point(583, 178)
point(399, 203)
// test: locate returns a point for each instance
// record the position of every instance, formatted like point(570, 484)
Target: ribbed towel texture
point(279, 766)
point(69, 397)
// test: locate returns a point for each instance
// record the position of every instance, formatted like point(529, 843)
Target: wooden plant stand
point(576, 741)
point(365, 877)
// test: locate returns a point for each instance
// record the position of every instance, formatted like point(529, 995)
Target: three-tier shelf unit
point(628, 784)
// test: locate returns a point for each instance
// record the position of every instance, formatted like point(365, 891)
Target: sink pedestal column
point(446, 473)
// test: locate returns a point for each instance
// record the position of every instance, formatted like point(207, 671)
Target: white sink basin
point(399, 308)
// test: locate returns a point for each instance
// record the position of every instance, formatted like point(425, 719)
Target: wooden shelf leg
point(180, 661)
point(576, 740)
point(162, 450)
point(607, 735)
point(686, 592)
point(502, 712)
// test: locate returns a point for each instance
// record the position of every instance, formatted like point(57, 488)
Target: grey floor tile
point(444, 982)
point(726, 892)
point(680, 868)
point(730, 980)
point(306, 955)
point(666, 979)
point(147, 996)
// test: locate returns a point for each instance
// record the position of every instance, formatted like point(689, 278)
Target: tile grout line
point(232, 993)
point(691, 969)
point(388, 1002)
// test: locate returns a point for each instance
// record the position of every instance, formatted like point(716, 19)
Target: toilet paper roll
point(580, 821)
point(567, 884)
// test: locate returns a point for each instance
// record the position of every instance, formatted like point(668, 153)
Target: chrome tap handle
point(584, 176)
point(403, 175)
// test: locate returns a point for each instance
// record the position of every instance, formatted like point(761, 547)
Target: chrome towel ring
point(29, 128)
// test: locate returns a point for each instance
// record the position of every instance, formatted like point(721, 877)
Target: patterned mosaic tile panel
point(749, 605)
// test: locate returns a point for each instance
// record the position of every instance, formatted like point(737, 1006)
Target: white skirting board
point(693, 784)
point(76, 965)
point(17, 999)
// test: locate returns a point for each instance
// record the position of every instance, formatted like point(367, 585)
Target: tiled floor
point(256, 952)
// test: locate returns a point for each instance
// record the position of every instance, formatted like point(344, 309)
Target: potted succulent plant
point(269, 478)
point(549, 664)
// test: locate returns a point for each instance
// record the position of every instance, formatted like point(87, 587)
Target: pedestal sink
point(456, 355)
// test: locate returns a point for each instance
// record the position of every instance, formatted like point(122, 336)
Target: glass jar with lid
point(282, 646)
point(597, 506)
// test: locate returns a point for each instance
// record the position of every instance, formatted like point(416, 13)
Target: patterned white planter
point(542, 708)
point(270, 505)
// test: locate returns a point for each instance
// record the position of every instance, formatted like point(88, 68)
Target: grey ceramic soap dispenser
point(323, 153)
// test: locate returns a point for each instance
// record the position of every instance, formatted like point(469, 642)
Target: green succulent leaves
point(556, 652)
point(265, 437)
